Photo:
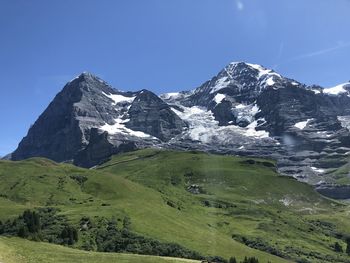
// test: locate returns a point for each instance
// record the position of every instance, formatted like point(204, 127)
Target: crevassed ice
point(245, 112)
point(204, 128)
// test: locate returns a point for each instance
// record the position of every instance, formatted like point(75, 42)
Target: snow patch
point(263, 71)
point(240, 106)
point(119, 98)
point(220, 84)
point(302, 124)
point(339, 89)
point(252, 132)
point(270, 81)
point(119, 127)
point(316, 91)
point(318, 170)
point(219, 97)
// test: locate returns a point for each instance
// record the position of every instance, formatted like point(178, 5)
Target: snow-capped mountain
point(245, 109)
point(89, 120)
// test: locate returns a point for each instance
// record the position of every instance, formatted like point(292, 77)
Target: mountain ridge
point(245, 109)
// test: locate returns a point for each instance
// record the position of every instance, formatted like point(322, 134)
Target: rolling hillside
point(215, 205)
point(16, 250)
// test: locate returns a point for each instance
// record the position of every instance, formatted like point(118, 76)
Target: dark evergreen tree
point(126, 222)
point(69, 235)
point(338, 247)
point(32, 220)
point(23, 232)
point(1, 228)
point(232, 260)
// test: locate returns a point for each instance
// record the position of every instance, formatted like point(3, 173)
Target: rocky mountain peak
point(237, 69)
point(245, 73)
point(151, 115)
point(86, 76)
point(89, 82)
point(238, 82)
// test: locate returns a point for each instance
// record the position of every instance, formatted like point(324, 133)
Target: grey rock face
point(149, 114)
point(56, 134)
point(100, 149)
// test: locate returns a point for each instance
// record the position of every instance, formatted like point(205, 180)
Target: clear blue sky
point(161, 45)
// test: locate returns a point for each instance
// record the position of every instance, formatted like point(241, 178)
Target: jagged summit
point(237, 78)
point(87, 77)
point(236, 68)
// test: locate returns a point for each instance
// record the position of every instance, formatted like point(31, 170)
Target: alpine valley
point(245, 168)
point(245, 110)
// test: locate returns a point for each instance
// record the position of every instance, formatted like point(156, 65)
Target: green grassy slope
point(16, 250)
point(239, 203)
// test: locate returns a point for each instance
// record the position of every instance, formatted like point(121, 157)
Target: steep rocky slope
point(89, 120)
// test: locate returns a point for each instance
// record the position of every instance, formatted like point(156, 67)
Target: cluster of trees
point(260, 244)
point(46, 225)
point(69, 235)
point(116, 236)
point(110, 238)
point(41, 225)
